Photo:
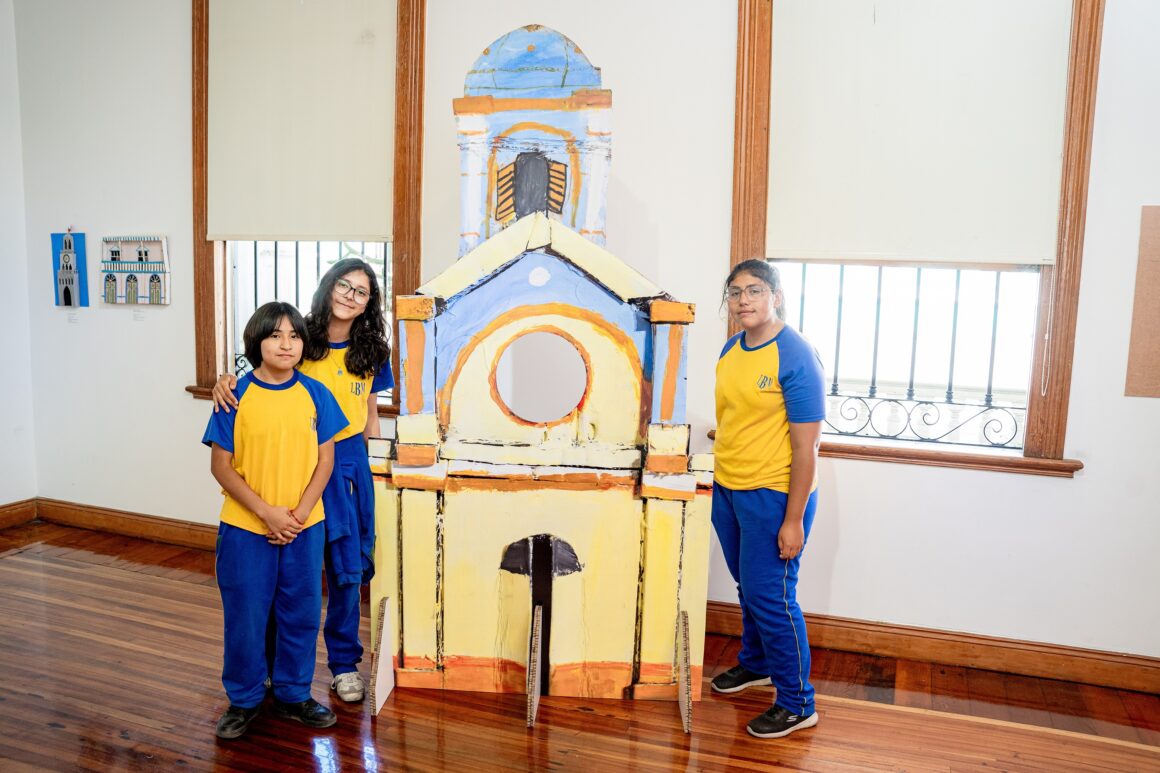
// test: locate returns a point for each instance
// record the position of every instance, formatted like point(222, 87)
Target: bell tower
point(535, 135)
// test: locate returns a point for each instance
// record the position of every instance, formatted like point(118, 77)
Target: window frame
point(210, 285)
point(1050, 387)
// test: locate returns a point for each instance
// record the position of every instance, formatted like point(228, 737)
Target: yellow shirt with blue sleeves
point(274, 436)
point(351, 391)
point(759, 391)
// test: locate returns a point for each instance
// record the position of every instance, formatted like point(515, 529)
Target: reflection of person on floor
point(272, 456)
point(346, 350)
point(770, 406)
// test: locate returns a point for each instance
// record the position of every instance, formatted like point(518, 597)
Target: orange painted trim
point(671, 311)
point(402, 479)
point(668, 463)
point(503, 406)
point(414, 307)
point(431, 680)
point(479, 674)
point(412, 455)
point(657, 673)
point(668, 692)
point(413, 365)
point(655, 692)
point(418, 662)
point(593, 483)
point(672, 372)
point(600, 679)
point(615, 334)
point(626, 479)
point(656, 492)
point(583, 99)
point(524, 126)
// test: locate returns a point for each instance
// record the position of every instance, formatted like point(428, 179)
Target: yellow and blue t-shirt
point(759, 392)
point(351, 391)
point(274, 436)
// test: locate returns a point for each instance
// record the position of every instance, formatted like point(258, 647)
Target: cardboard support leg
point(382, 663)
point(684, 673)
point(534, 660)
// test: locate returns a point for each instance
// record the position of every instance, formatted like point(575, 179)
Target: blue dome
point(531, 61)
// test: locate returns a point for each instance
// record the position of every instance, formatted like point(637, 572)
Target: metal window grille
point(924, 355)
point(264, 271)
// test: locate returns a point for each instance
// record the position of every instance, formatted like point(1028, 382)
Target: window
point(263, 271)
point(921, 354)
point(1054, 287)
point(212, 307)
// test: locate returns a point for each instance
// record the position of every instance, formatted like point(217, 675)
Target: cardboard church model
point(542, 527)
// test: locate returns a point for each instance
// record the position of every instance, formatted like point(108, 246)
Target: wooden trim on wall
point(150, 527)
point(1050, 389)
point(16, 513)
point(931, 457)
point(1011, 656)
point(207, 337)
point(406, 245)
point(751, 132)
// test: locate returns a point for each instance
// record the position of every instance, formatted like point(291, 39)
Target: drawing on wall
point(542, 444)
point(135, 270)
point(69, 269)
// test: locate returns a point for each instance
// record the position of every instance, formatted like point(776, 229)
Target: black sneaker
point(737, 679)
point(309, 712)
point(778, 722)
point(234, 722)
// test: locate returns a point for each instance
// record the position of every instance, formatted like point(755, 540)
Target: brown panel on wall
point(1144, 350)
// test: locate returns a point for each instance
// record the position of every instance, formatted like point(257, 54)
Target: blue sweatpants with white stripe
point(262, 583)
point(773, 634)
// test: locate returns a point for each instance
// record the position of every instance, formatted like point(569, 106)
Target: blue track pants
point(260, 583)
point(773, 638)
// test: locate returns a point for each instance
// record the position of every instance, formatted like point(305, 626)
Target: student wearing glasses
point(770, 398)
point(346, 349)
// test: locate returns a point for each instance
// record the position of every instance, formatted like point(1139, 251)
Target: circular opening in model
point(541, 377)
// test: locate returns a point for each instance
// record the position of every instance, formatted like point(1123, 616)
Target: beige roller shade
point(301, 119)
point(917, 130)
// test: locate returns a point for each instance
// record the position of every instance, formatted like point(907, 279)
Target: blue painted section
point(661, 347)
point(682, 383)
point(580, 139)
point(532, 61)
point(429, 365)
point(508, 288)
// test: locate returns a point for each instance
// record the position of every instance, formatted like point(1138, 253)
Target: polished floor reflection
point(110, 652)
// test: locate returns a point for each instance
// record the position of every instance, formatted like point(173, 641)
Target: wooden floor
point(110, 654)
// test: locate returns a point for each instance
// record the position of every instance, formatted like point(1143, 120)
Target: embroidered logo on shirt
point(763, 381)
point(356, 388)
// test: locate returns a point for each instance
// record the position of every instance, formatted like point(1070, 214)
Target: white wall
point(106, 116)
point(1064, 561)
point(17, 435)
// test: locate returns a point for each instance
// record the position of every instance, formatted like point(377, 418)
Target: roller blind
point(301, 119)
point(917, 130)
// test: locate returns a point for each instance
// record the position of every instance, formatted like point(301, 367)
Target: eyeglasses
point(345, 288)
point(752, 292)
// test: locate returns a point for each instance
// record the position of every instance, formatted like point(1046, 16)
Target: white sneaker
point(349, 686)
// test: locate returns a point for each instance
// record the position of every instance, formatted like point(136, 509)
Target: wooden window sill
point(206, 393)
point(1058, 468)
point(995, 462)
